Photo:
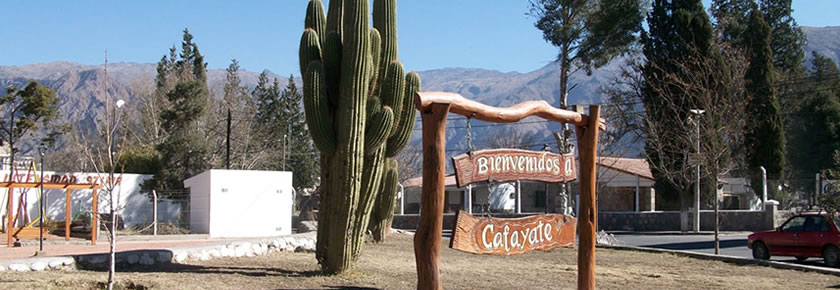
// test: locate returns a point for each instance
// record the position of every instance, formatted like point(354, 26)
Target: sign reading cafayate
point(503, 236)
point(513, 164)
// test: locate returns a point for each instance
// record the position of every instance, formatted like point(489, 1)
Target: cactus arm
point(396, 142)
point(375, 46)
point(393, 91)
point(317, 111)
point(371, 183)
point(385, 20)
point(378, 128)
point(310, 49)
point(315, 18)
point(383, 211)
point(335, 16)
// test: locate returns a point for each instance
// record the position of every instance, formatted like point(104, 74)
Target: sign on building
point(513, 164)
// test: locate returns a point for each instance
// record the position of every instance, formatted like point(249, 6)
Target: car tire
point(831, 256)
point(801, 259)
point(760, 251)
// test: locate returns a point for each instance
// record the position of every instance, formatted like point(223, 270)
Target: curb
point(730, 259)
point(149, 257)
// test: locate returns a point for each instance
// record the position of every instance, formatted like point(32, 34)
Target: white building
point(241, 203)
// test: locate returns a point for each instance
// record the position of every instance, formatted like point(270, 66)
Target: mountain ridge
point(81, 86)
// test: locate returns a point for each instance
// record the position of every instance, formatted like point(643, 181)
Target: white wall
point(134, 206)
point(199, 189)
point(243, 203)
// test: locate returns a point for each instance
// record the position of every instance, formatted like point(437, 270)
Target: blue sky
point(265, 34)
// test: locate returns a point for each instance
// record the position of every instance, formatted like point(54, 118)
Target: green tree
point(300, 152)
point(589, 34)
point(683, 70)
point(183, 146)
point(268, 124)
point(787, 39)
point(765, 139)
point(816, 131)
point(233, 123)
point(33, 108)
point(731, 18)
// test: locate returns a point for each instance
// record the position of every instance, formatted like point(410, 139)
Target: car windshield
point(794, 224)
point(837, 222)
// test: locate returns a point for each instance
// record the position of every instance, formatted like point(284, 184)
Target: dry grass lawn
point(391, 266)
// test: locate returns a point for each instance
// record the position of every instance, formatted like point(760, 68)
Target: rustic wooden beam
point(48, 185)
point(94, 227)
point(588, 215)
point(9, 217)
point(473, 109)
point(67, 214)
point(429, 230)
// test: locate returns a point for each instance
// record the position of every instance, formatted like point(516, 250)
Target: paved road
point(731, 244)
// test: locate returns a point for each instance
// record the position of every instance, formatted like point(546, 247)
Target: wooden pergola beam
point(472, 109)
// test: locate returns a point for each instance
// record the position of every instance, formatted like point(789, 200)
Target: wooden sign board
point(513, 164)
point(500, 236)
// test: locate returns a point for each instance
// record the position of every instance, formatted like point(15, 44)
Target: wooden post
point(588, 214)
point(9, 216)
point(67, 214)
point(94, 227)
point(427, 239)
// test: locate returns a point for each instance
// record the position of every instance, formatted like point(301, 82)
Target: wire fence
point(161, 213)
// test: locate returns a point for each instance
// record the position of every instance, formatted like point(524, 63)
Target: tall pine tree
point(765, 139)
point(183, 148)
point(683, 70)
point(302, 158)
point(788, 40)
point(817, 130)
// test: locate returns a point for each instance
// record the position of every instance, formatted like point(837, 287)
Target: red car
point(802, 236)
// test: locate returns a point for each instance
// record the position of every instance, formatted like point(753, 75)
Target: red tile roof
point(634, 166)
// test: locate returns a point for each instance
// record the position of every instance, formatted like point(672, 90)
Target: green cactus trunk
point(383, 211)
point(354, 91)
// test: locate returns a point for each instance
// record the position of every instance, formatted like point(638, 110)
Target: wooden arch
point(434, 107)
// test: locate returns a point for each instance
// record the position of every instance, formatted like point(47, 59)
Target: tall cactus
point(357, 103)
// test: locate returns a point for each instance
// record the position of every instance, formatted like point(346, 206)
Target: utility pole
point(227, 140)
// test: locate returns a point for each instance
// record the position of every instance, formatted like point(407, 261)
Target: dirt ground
point(391, 266)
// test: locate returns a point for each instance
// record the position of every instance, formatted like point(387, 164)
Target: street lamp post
point(40, 252)
point(285, 136)
point(697, 113)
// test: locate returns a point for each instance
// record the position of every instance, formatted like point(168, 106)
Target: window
point(816, 224)
point(539, 198)
point(794, 225)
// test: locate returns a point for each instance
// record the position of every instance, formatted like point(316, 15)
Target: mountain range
point(81, 87)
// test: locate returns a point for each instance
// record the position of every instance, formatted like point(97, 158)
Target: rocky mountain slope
point(81, 88)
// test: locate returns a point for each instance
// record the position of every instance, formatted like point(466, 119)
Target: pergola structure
point(67, 212)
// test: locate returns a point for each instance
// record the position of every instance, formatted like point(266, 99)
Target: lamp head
point(697, 111)
point(120, 103)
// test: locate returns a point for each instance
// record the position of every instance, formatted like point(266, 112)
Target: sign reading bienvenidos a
point(513, 164)
point(512, 236)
